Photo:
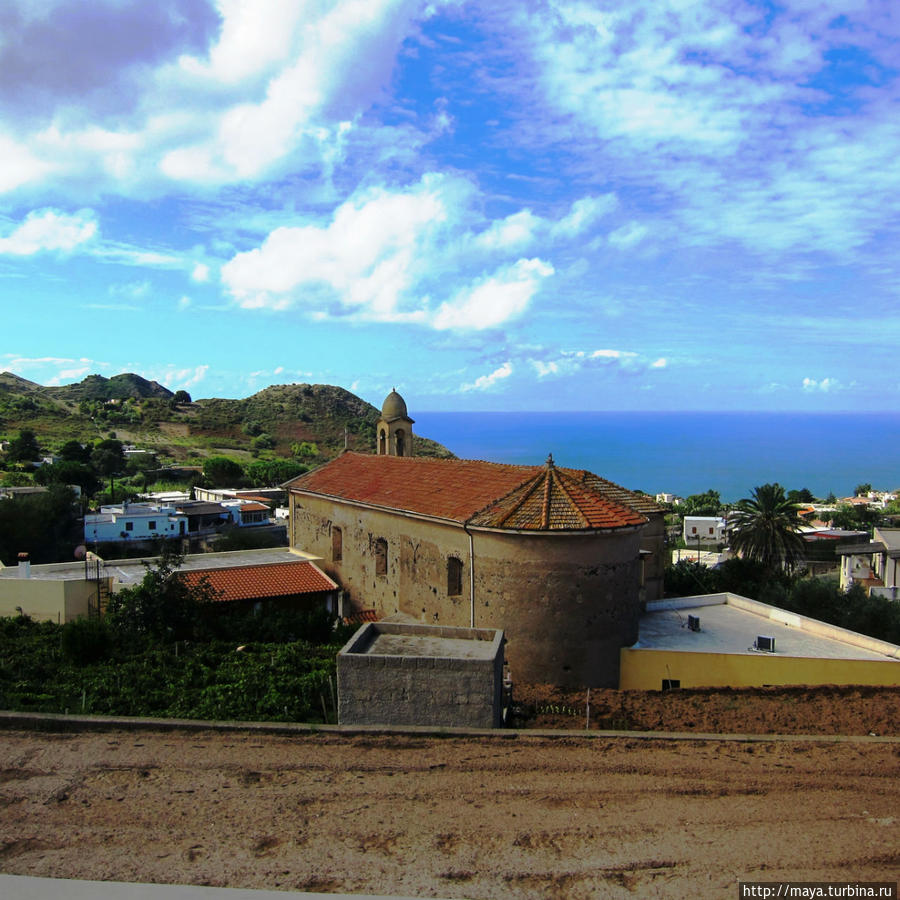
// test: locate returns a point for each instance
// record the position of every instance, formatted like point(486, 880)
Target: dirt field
point(512, 815)
point(796, 710)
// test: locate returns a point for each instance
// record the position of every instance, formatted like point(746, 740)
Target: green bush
point(85, 641)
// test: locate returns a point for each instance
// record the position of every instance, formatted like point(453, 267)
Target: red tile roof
point(493, 495)
point(361, 617)
point(261, 581)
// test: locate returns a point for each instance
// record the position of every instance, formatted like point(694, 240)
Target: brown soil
point(508, 815)
point(797, 710)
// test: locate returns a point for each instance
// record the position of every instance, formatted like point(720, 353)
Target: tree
point(804, 495)
point(269, 472)
point(706, 504)
point(182, 397)
point(862, 490)
point(75, 451)
point(42, 525)
point(23, 448)
point(163, 605)
point(108, 459)
point(221, 471)
point(765, 528)
point(69, 472)
point(305, 449)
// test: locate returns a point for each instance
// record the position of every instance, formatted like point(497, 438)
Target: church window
point(381, 557)
point(337, 544)
point(400, 442)
point(454, 576)
point(382, 445)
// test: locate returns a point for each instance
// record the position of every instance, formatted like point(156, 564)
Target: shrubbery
point(199, 661)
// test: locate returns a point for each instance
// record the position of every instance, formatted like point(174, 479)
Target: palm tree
point(765, 528)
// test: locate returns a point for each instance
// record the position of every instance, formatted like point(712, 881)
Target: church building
point(552, 556)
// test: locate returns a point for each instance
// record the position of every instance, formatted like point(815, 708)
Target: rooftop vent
point(765, 644)
point(694, 623)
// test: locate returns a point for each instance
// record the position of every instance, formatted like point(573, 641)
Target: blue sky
point(498, 205)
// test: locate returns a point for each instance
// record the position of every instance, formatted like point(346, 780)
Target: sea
point(687, 453)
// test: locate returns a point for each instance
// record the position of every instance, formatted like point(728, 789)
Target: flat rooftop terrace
point(132, 571)
point(438, 642)
point(731, 624)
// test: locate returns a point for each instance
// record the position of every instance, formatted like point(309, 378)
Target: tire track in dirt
point(451, 817)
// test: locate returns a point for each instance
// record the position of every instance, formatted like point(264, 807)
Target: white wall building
point(708, 529)
point(134, 521)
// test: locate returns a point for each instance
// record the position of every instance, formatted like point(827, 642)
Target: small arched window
point(382, 443)
point(381, 556)
point(454, 576)
point(401, 442)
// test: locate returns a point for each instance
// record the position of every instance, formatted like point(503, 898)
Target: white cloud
point(137, 290)
point(585, 213)
point(572, 362)
point(824, 385)
point(496, 300)
point(49, 229)
point(486, 382)
point(277, 86)
point(512, 233)
point(200, 273)
point(385, 253)
point(628, 236)
point(739, 117)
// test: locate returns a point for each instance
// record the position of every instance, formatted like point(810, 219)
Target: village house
point(875, 564)
point(705, 529)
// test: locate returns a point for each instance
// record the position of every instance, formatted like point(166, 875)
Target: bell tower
point(393, 433)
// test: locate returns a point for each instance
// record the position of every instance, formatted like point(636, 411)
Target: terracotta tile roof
point(361, 617)
point(485, 494)
point(258, 582)
point(253, 506)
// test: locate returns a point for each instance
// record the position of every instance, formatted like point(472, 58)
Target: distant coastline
point(687, 452)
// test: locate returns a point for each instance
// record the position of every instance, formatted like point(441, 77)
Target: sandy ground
point(512, 815)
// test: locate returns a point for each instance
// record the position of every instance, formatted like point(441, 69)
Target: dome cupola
point(394, 407)
point(394, 429)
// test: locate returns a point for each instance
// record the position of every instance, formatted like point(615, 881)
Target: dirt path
point(505, 816)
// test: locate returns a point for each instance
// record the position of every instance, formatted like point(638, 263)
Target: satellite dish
point(80, 551)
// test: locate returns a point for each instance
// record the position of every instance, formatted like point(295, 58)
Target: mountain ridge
point(273, 421)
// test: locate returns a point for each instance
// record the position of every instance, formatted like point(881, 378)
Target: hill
point(272, 423)
point(119, 387)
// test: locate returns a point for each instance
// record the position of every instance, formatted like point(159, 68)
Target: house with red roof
point(297, 584)
point(552, 556)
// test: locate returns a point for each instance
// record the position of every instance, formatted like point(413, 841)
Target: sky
point(495, 205)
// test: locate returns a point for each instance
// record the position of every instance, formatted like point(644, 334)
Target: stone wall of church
point(566, 603)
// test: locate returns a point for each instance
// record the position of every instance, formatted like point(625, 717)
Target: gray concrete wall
point(418, 690)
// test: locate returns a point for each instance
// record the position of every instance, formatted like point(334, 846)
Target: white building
point(706, 529)
point(875, 564)
point(134, 521)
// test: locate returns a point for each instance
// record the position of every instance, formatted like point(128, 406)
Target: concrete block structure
point(391, 673)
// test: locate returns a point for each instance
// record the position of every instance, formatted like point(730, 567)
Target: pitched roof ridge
point(568, 495)
point(530, 488)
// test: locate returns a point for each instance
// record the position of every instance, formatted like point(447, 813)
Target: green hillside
point(280, 421)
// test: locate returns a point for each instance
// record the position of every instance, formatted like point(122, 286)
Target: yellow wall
point(59, 601)
point(646, 669)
